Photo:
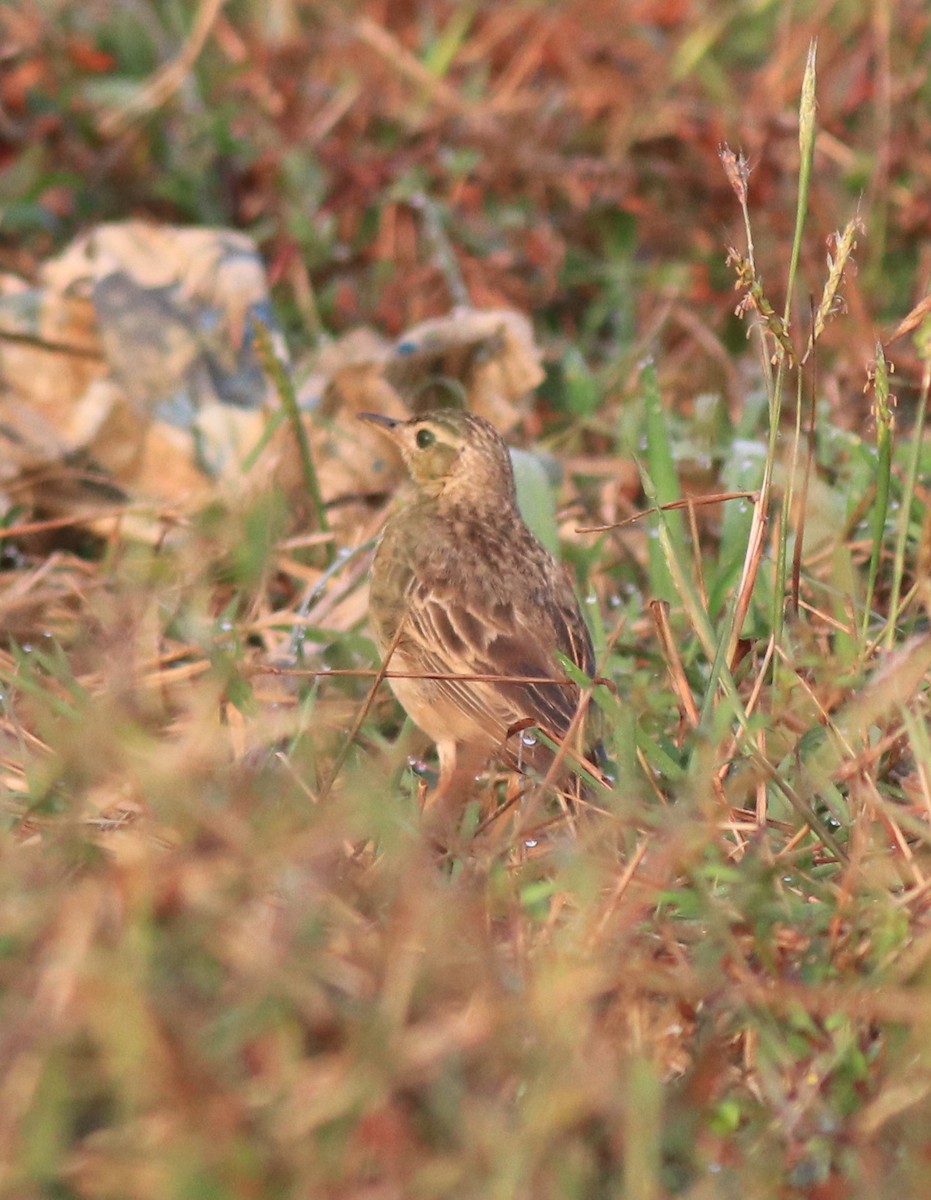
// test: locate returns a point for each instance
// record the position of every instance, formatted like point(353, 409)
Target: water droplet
point(528, 739)
point(530, 843)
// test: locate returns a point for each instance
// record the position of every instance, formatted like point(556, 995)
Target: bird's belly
point(438, 714)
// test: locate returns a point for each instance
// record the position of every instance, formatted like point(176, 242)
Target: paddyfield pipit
point(460, 587)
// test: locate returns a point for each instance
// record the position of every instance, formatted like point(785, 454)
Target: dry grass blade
point(680, 684)
point(159, 89)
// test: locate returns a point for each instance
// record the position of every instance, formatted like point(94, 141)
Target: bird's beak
point(388, 423)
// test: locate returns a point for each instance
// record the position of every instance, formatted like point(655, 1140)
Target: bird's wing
point(450, 635)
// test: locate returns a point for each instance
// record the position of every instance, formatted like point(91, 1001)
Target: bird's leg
point(459, 765)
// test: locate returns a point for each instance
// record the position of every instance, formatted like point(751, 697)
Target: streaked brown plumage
point(460, 586)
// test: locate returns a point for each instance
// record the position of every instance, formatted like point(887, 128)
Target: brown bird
point(461, 587)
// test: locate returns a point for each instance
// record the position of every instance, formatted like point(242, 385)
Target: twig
point(380, 674)
point(685, 502)
point(442, 676)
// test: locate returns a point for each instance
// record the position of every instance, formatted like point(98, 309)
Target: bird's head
point(452, 454)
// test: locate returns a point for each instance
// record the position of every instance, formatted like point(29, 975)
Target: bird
point(468, 609)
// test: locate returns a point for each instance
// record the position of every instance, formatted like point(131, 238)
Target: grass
point(230, 967)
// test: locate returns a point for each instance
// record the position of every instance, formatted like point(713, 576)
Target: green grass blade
point(906, 509)
point(884, 424)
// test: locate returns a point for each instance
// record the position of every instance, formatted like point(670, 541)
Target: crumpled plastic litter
point(131, 364)
point(128, 348)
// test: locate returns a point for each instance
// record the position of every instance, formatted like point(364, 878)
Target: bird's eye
point(425, 438)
